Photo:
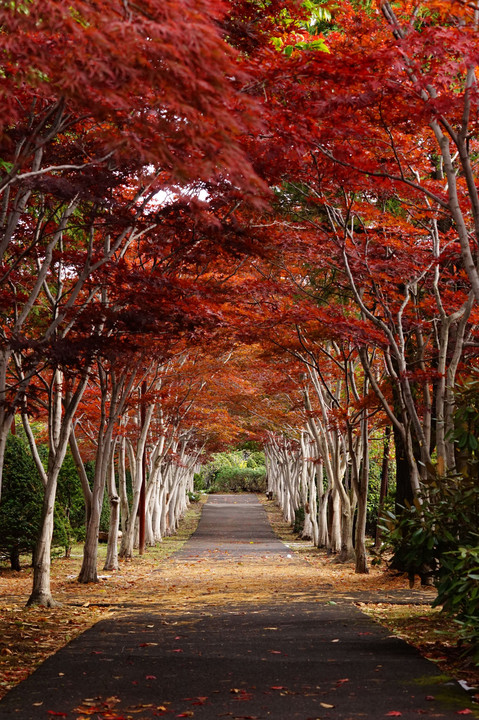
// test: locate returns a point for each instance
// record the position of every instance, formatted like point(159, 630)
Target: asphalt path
point(233, 527)
point(287, 661)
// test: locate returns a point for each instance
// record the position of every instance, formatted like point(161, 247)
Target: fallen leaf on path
point(393, 713)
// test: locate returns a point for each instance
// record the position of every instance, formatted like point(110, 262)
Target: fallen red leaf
point(393, 713)
point(466, 711)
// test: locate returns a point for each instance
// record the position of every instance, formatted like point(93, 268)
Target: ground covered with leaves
point(155, 581)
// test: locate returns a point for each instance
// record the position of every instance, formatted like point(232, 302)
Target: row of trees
point(258, 220)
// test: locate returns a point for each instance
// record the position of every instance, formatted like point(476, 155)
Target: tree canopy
point(234, 222)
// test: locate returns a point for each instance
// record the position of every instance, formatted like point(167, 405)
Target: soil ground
point(29, 635)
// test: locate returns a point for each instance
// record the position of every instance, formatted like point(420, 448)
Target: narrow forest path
point(234, 626)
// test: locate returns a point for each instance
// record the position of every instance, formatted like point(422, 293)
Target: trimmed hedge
point(236, 479)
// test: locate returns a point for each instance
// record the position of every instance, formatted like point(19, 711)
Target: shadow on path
point(285, 661)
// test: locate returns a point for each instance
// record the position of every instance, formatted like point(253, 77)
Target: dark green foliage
point(22, 498)
point(298, 520)
point(199, 482)
point(466, 426)
point(374, 494)
point(70, 502)
point(234, 471)
point(443, 520)
point(105, 513)
point(458, 592)
point(235, 479)
point(21, 502)
point(438, 539)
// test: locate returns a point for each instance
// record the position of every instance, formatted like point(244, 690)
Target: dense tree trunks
point(115, 390)
point(136, 456)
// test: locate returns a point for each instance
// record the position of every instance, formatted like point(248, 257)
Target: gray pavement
point(286, 661)
point(233, 527)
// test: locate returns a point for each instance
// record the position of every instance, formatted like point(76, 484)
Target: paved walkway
point(233, 527)
point(296, 661)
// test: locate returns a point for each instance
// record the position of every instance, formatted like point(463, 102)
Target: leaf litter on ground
point(29, 635)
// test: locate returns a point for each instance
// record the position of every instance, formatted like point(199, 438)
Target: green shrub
point(22, 499)
point(235, 479)
point(458, 593)
point(255, 460)
point(298, 526)
point(21, 502)
point(70, 502)
point(438, 539)
point(233, 471)
point(442, 520)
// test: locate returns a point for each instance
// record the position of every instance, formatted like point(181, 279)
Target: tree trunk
point(15, 558)
point(111, 562)
point(362, 495)
point(41, 591)
point(404, 492)
point(384, 484)
point(346, 553)
point(334, 521)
